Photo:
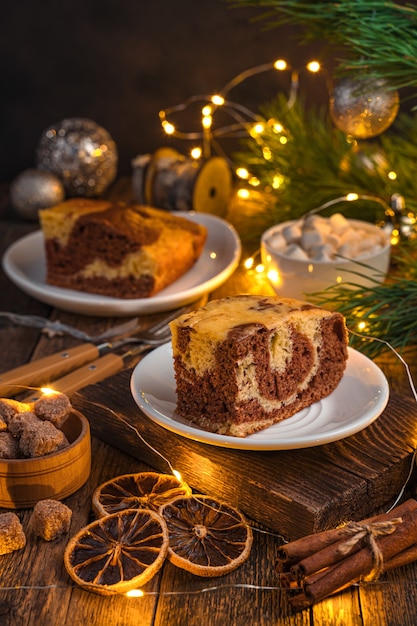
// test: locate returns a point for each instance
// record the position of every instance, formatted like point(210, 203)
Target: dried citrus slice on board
point(118, 552)
point(206, 537)
point(148, 490)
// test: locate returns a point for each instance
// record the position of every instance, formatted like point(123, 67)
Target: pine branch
point(376, 36)
point(385, 311)
point(318, 164)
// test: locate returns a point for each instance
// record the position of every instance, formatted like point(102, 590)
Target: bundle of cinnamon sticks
point(314, 567)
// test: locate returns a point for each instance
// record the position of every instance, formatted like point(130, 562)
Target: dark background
point(118, 62)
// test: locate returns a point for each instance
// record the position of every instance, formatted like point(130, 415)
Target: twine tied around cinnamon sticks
point(358, 531)
point(319, 565)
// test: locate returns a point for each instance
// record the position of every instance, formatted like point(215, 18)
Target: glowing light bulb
point(217, 100)
point(277, 181)
point(242, 172)
point(395, 236)
point(258, 128)
point(260, 268)
point(168, 127)
point(196, 152)
point(134, 593)
point(207, 121)
point(206, 110)
point(48, 391)
point(392, 175)
point(249, 263)
point(243, 194)
point(177, 475)
point(273, 276)
point(313, 66)
point(351, 197)
point(280, 64)
point(267, 154)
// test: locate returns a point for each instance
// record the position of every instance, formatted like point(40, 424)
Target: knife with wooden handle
point(49, 368)
point(91, 373)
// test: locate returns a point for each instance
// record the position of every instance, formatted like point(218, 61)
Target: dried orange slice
point(148, 490)
point(206, 537)
point(118, 552)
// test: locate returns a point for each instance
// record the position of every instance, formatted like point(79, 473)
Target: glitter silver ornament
point(363, 108)
point(81, 153)
point(35, 189)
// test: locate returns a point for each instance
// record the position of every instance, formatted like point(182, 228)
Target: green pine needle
point(386, 310)
point(376, 36)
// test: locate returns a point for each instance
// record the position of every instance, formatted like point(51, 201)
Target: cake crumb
point(12, 536)
point(51, 519)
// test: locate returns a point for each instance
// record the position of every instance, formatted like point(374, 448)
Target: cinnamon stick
point(402, 558)
point(299, 600)
point(360, 563)
point(304, 547)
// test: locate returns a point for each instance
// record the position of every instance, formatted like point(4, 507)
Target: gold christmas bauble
point(363, 108)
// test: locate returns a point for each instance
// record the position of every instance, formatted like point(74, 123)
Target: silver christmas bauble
point(81, 153)
point(33, 190)
point(363, 108)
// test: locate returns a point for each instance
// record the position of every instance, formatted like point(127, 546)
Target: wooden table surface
point(35, 588)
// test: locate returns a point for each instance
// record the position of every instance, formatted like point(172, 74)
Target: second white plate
point(359, 399)
point(25, 265)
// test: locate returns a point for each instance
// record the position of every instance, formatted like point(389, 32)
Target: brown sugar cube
point(50, 519)
point(9, 408)
point(9, 446)
point(53, 407)
point(42, 438)
point(12, 536)
point(19, 422)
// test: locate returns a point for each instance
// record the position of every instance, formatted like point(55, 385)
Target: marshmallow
point(292, 233)
point(325, 239)
point(295, 252)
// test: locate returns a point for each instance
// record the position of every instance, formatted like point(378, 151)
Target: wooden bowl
point(23, 482)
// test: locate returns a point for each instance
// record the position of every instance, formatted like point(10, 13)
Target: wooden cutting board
point(293, 492)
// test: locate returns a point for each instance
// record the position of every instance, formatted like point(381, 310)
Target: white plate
point(25, 265)
point(359, 399)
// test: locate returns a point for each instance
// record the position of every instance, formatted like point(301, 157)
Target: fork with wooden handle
point(95, 371)
point(55, 366)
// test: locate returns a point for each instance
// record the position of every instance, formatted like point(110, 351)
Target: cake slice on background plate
point(117, 249)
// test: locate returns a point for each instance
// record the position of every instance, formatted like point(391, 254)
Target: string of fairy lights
point(141, 593)
point(243, 120)
point(247, 123)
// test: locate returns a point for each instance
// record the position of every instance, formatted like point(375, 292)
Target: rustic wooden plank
point(256, 598)
point(295, 492)
point(341, 609)
point(41, 564)
point(390, 600)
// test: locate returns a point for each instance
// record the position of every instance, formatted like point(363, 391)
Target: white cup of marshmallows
point(308, 255)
